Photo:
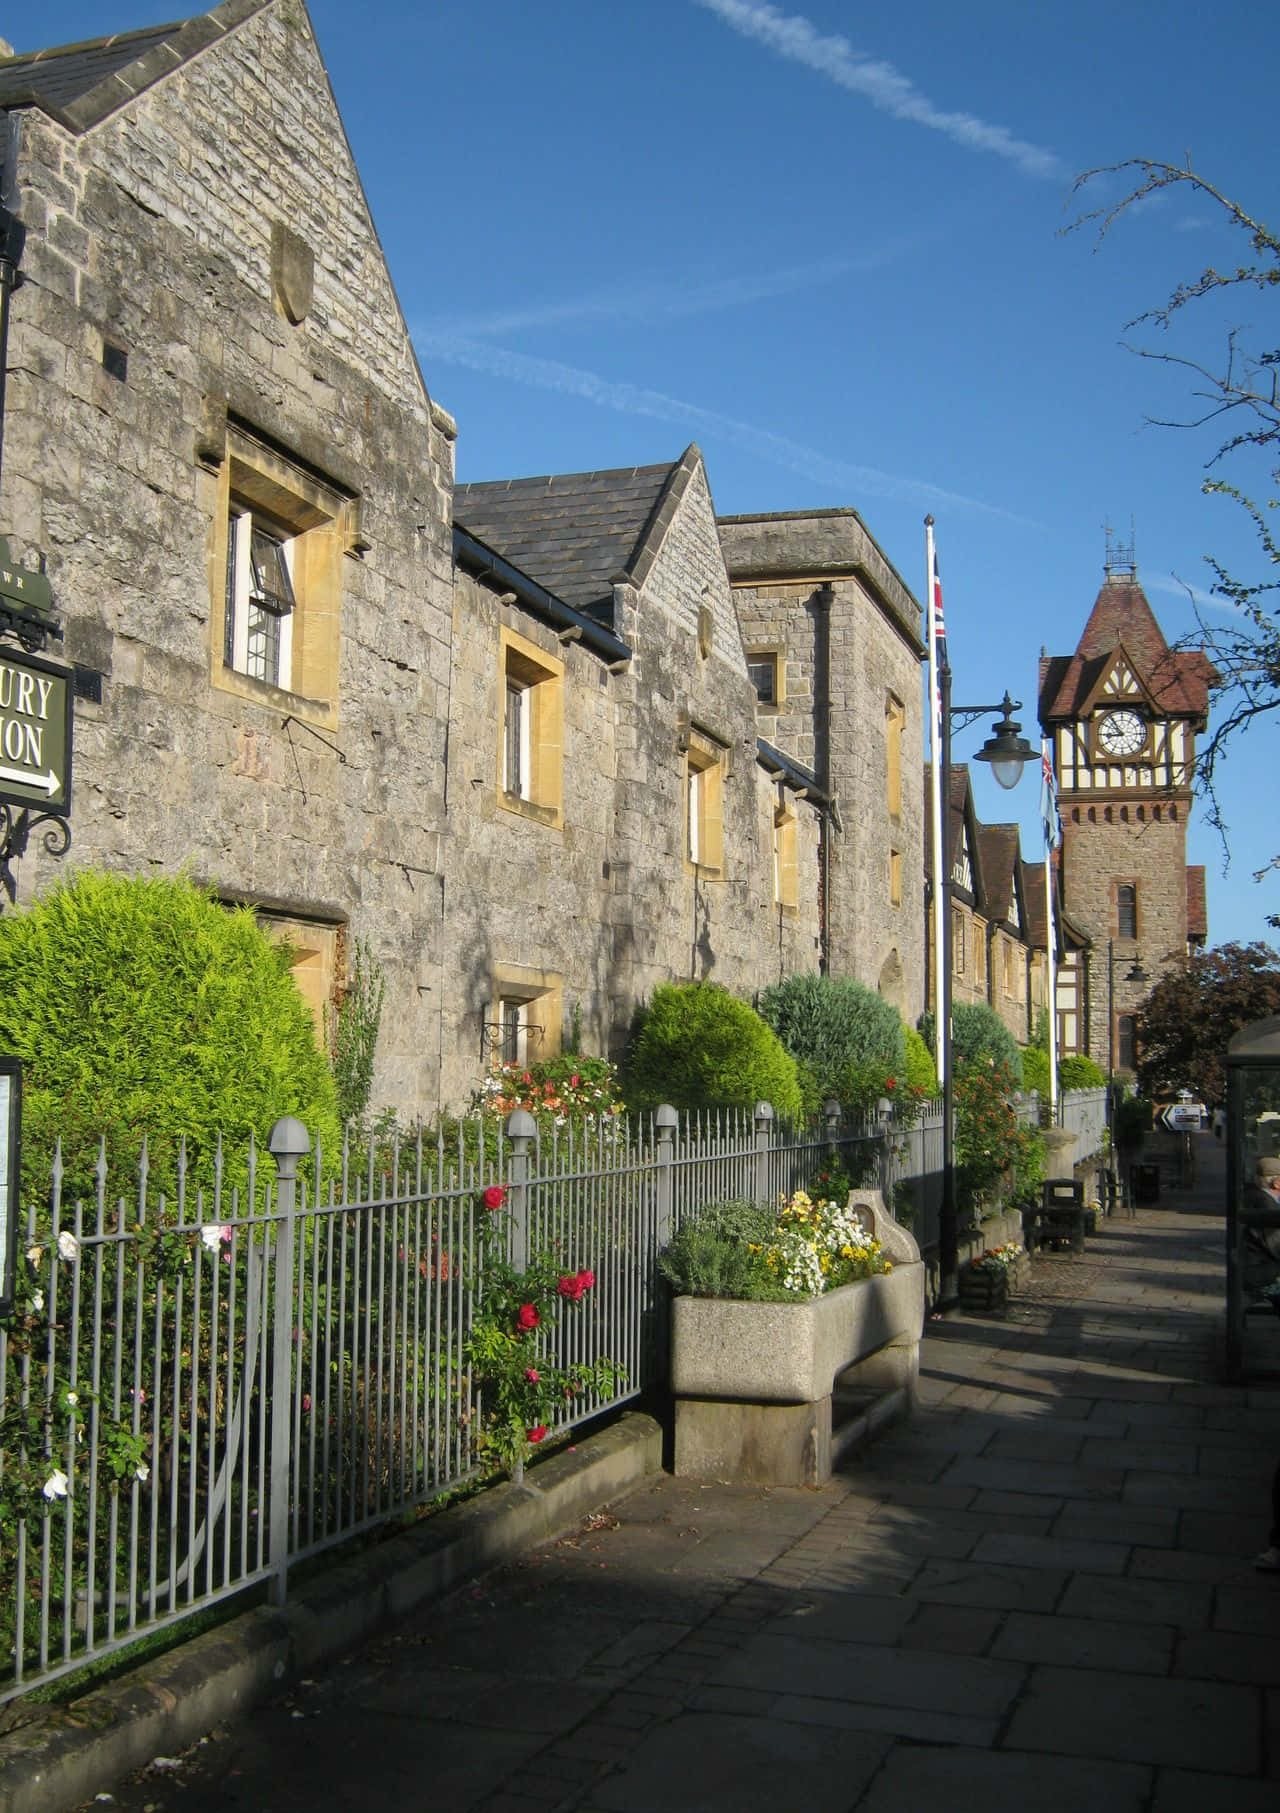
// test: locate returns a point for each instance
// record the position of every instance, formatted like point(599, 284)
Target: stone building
point(833, 639)
point(217, 435)
point(515, 740)
point(612, 807)
point(999, 923)
point(1123, 712)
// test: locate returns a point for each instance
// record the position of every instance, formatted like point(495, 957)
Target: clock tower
point(1122, 714)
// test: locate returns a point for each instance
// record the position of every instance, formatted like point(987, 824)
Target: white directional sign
point(35, 732)
point(1183, 1117)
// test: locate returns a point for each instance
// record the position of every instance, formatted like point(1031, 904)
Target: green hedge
point(834, 1026)
point(140, 1006)
point(697, 1046)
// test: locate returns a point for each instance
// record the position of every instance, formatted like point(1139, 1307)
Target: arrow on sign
point(49, 782)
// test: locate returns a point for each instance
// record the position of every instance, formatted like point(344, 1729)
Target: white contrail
point(879, 82)
point(673, 300)
point(840, 476)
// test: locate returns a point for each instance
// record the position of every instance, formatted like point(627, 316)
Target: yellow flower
point(888, 1265)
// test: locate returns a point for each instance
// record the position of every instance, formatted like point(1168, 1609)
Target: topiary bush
point(141, 1006)
point(1076, 1071)
point(921, 1071)
point(1035, 1071)
point(829, 1023)
point(977, 1031)
point(697, 1046)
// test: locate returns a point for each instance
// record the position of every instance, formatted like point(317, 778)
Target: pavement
point(1038, 1592)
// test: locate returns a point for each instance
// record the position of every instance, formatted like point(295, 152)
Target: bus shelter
point(1253, 1201)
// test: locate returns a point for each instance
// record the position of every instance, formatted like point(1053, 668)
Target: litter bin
point(1144, 1183)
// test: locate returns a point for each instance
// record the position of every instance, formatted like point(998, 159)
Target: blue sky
point(826, 243)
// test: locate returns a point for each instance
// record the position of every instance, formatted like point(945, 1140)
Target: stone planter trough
point(775, 1393)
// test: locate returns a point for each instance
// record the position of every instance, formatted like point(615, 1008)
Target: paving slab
point(1004, 1782)
point(1040, 1593)
point(1134, 1718)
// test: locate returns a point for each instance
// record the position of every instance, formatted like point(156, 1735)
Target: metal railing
point(205, 1384)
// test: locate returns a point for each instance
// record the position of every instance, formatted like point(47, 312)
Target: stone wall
point(159, 233)
point(816, 587)
point(1097, 852)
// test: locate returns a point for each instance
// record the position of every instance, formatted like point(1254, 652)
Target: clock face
point(1122, 732)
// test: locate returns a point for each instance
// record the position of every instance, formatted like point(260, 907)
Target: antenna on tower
point(1121, 559)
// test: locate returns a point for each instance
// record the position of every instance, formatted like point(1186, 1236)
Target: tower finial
point(1121, 560)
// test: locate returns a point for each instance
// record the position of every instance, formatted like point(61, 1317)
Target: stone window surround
point(770, 655)
point(538, 678)
point(705, 768)
point(540, 994)
point(320, 523)
point(895, 724)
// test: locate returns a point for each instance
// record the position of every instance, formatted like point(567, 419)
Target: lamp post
point(1007, 752)
point(1134, 973)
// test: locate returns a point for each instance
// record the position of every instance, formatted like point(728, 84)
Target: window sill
point(320, 712)
point(551, 816)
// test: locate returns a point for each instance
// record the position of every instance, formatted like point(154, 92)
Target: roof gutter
point(470, 553)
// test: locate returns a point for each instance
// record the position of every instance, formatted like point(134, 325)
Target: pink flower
point(533, 1375)
point(306, 1400)
point(494, 1196)
point(574, 1080)
point(570, 1288)
point(586, 1279)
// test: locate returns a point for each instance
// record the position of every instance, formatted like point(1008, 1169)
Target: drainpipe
point(12, 238)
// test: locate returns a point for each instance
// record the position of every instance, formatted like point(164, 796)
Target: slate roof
point(80, 84)
point(575, 531)
point(1177, 679)
point(999, 845)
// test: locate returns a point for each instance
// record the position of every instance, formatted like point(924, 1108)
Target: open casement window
point(531, 756)
point(786, 890)
point(704, 805)
point(282, 532)
point(258, 631)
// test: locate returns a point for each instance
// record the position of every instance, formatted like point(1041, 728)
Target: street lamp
point(1134, 973)
point(1007, 752)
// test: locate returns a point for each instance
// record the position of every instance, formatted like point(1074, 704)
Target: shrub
point(992, 1149)
point(1035, 1071)
point(1076, 1071)
point(831, 1022)
point(141, 1006)
point(921, 1071)
point(353, 1030)
point(977, 1031)
point(696, 1046)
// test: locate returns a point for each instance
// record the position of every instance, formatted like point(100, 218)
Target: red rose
point(537, 1434)
point(527, 1317)
point(494, 1196)
point(570, 1288)
point(586, 1280)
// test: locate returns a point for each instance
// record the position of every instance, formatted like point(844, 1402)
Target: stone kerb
point(754, 1382)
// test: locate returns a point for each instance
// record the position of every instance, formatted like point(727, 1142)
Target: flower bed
point(755, 1382)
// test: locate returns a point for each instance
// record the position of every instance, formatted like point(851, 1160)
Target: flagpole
point(1049, 813)
point(935, 792)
